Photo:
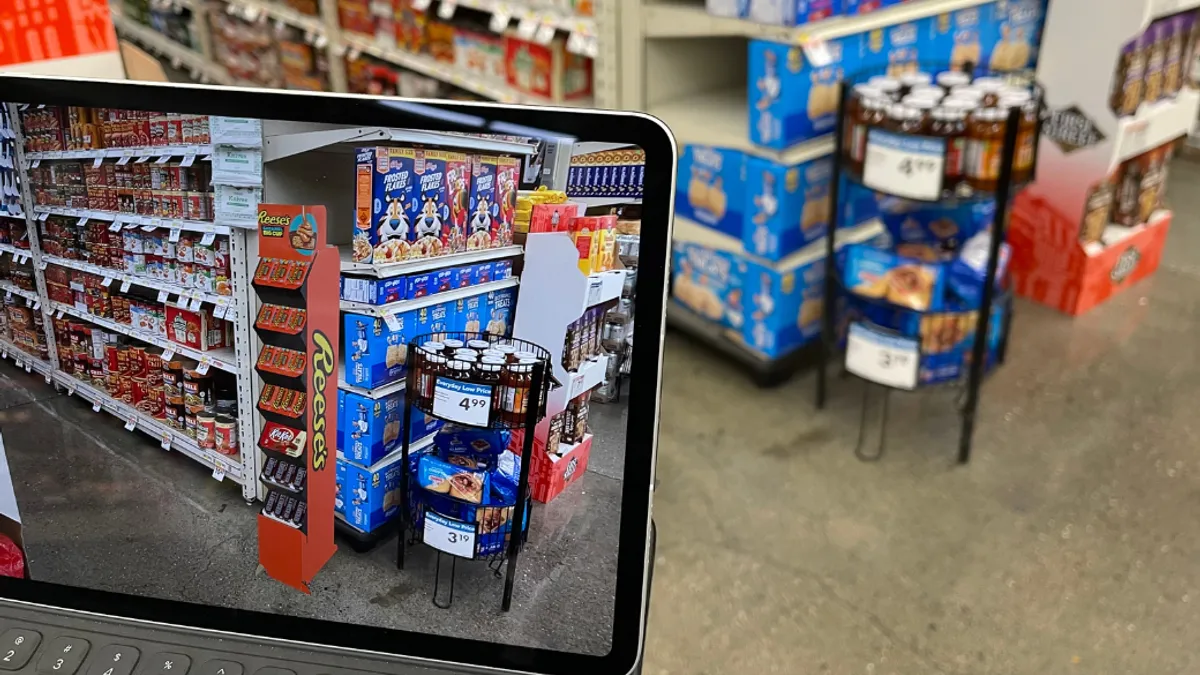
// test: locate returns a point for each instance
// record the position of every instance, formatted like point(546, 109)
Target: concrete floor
point(1068, 545)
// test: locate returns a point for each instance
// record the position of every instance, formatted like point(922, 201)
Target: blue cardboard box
point(433, 322)
point(460, 277)
point(481, 273)
point(374, 291)
point(339, 504)
point(501, 269)
point(711, 187)
point(786, 207)
point(850, 7)
point(708, 282)
point(501, 308)
point(386, 193)
point(421, 284)
point(1011, 33)
point(375, 354)
point(475, 312)
point(369, 429)
point(902, 48)
point(371, 495)
point(791, 12)
point(784, 305)
point(791, 100)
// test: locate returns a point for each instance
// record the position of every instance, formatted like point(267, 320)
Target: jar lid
point(460, 365)
point(867, 91)
point(506, 348)
point(489, 366)
point(920, 102)
point(962, 104)
point(884, 83)
point(494, 360)
point(915, 79)
point(522, 356)
point(494, 353)
point(225, 419)
point(952, 78)
point(478, 344)
point(967, 91)
point(989, 85)
point(437, 358)
point(900, 111)
point(451, 343)
point(433, 346)
point(949, 114)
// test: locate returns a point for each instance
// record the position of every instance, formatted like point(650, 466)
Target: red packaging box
point(198, 330)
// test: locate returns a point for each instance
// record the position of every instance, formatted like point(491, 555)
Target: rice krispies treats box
point(501, 310)
point(790, 99)
point(375, 354)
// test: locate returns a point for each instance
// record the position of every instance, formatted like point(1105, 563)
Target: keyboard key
point(271, 670)
point(219, 667)
point(17, 647)
point(114, 660)
point(63, 656)
point(166, 663)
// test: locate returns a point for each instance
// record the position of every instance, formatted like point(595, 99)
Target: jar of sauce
point(873, 114)
point(434, 366)
point(490, 373)
point(951, 124)
point(433, 347)
point(925, 107)
point(904, 119)
point(1026, 134)
point(991, 87)
point(950, 79)
point(910, 80)
point(854, 112)
point(985, 145)
point(515, 380)
point(509, 352)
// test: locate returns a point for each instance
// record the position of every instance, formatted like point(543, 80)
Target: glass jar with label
point(509, 351)
point(855, 110)
point(491, 373)
point(1026, 133)
point(873, 113)
point(990, 87)
point(925, 107)
point(460, 370)
point(431, 367)
point(985, 145)
point(950, 123)
point(904, 119)
point(515, 380)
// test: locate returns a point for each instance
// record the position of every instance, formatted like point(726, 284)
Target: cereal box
point(375, 352)
point(484, 228)
point(501, 308)
point(387, 190)
point(474, 312)
point(790, 99)
point(711, 188)
point(787, 207)
point(508, 181)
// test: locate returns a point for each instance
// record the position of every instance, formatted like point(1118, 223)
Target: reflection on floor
point(1069, 544)
point(108, 509)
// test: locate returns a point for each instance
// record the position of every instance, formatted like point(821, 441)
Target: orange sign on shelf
point(39, 30)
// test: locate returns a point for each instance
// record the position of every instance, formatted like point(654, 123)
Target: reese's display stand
point(901, 322)
point(297, 324)
point(452, 507)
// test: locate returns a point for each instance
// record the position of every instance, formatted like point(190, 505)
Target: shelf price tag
point(43, 215)
point(883, 358)
point(449, 536)
point(163, 159)
point(546, 29)
point(131, 423)
point(905, 166)
point(446, 9)
point(107, 281)
point(49, 379)
point(70, 390)
point(8, 295)
point(35, 163)
point(124, 160)
point(125, 286)
point(142, 160)
point(28, 367)
point(175, 232)
point(392, 322)
point(96, 406)
point(208, 238)
point(60, 313)
point(82, 221)
point(162, 296)
point(205, 364)
point(97, 162)
point(501, 15)
point(115, 226)
point(219, 472)
point(527, 25)
point(195, 305)
point(165, 441)
point(168, 354)
point(220, 311)
point(462, 402)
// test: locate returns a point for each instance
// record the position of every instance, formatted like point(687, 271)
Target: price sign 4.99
point(462, 402)
point(905, 166)
point(890, 360)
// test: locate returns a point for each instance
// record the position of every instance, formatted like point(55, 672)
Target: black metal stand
point(830, 335)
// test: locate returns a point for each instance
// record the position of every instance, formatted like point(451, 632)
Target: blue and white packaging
point(501, 307)
point(474, 312)
point(375, 354)
point(1013, 30)
point(460, 277)
point(790, 12)
point(369, 429)
point(899, 49)
point(711, 188)
point(784, 303)
point(421, 284)
point(786, 207)
point(708, 282)
point(371, 496)
point(480, 273)
point(501, 269)
point(374, 291)
point(339, 503)
point(851, 7)
point(792, 100)
point(436, 320)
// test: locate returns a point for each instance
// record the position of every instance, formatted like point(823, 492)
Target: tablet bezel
point(644, 389)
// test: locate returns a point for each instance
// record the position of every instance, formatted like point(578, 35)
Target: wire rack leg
point(881, 447)
point(437, 580)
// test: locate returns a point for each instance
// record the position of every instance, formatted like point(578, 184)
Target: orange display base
point(1049, 264)
point(288, 555)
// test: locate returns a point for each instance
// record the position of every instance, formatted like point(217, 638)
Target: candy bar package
point(904, 282)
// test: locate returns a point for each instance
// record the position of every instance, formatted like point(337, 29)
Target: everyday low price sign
point(905, 166)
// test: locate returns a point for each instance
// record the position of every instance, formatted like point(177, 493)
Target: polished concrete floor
point(1070, 544)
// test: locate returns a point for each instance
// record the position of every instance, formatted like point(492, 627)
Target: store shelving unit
point(594, 36)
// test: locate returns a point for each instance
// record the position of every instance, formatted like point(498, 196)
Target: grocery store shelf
point(720, 119)
point(683, 19)
point(222, 359)
point(200, 151)
point(16, 252)
point(130, 219)
point(596, 202)
point(225, 464)
point(690, 231)
point(377, 392)
point(284, 145)
point(436, 298)
point(9, 287)
point(423, 264)
point(566, 22)
point(604, 287)
point(464, 79)
point(24, 359)
point(589, 376)
point(145, 282)
point(1158, 123)
point(5, 214)
point(253, 9)
point(160, 44)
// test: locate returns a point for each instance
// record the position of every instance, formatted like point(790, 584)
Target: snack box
point(790, 99)
point(553, 217)
point(371, 496)
point(474, 312)
point(850, 7)
point(375, 354)
point(791, 12)
point(494, 184)
point(886, 277)
point(1011, 32)
point(460, 277)
point(783, 303)
point(429, 283)
point(502, 269)
point(198, 330)
point(339, 502)
point(902, 48)
point(787, 207)
point(434, 321)
point(374, 291)
point(481, 273)
point(711, 188)
point(441, 477)
point(369, 428)
point(708, 282)
point(501, 311)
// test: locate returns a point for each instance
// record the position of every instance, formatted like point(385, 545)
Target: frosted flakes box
point(439, 214)
point(791, 100)
point(494, 184)
point(385, 191)
point(787, 207)
point(711, 187)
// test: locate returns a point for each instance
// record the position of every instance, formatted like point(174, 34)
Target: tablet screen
point(371, 375)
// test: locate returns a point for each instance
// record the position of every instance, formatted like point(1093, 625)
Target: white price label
point(220, 311)
point(218, 474)
point(905, 166)
point(142, 160)
point(115, 226)
point(124, 160)
point(59, 315)
point(96, 406)
point(165, 440)
point(71, 390)
point(131, 423)
point(883, 358)
point(162, 296)
point(501, 15)
point(28, 367)
point(49, 379)
point(97, 162)
point(37, 305)
point(175, 232)
point(208, 238)
point(446, 9)
point(527, 26)
point(392, 322)
point(449, 536)
point(205, 364)
point(180, 302)
point(421, 5)
point(195, 305)
point(82, 221)
point(35, 163)
point(168, 354)
point(163, 160)
point(462, 402)
point(816, 51)
point(107, 281)
point(130, 226)
point(43, 215)
point(8, 295)
point(125, 286)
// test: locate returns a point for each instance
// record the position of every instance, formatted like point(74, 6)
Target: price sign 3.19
point(890, 360)
point(449, 536)
point(462, 402)
point(905, 166)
